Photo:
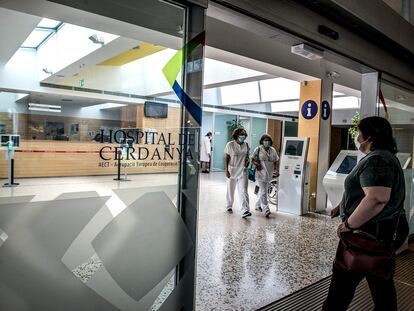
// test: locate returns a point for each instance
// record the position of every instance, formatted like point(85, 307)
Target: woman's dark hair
point(209, 134)
point(237, 132)
point(265, 136)
point(378, 130)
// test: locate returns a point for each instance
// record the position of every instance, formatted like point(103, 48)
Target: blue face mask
point(242, 139)
point(267, 143)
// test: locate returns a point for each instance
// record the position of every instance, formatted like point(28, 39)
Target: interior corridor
point(245, 264)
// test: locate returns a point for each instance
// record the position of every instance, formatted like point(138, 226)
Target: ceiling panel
point(15, 27)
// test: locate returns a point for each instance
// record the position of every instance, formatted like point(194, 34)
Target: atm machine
point(294, 177)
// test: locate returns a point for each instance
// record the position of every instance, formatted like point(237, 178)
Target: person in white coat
point(237, 159)
point(205, 153)
point(266, 159)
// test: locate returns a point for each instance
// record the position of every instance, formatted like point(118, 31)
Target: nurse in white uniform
point(237, 160)
point(266, 159)
point(205, 152)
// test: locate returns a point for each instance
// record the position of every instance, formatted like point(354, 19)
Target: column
point(369, 94)
point(316, 126)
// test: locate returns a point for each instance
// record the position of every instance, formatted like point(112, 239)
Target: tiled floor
point(242, 264)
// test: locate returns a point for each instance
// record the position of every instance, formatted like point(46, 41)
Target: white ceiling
point(105, 52)
point(15, 27)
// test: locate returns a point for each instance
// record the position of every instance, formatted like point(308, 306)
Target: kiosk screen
point(294, 148)
point(16, 140)
point(347, 165)
point(4, 140)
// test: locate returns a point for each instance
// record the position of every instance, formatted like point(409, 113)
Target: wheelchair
point(273, 190)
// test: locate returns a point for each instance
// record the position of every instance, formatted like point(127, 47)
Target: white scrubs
point(205, 149)
point(267, 159)
point(238, 174)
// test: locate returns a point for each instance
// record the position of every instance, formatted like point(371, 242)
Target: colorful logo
point(172, 69)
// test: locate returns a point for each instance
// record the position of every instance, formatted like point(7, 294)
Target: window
point(43, 31)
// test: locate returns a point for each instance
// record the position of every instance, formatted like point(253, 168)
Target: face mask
point(358, 144)
point(267, 143)
point(242, 139)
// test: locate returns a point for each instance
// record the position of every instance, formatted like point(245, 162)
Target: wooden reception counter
point(49, 158)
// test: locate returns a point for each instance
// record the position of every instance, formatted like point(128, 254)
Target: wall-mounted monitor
point(155, 110)
point(294, 148)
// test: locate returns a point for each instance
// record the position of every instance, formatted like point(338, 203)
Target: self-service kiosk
point(9, 142)
point(294, 176)
point(342, 166)
point(123, 154)
point(334, 179)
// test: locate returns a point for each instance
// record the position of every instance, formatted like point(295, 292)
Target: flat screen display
point(4, 140)
point(347, 164)
point(16, 140)
point(155, 110)
point(294, 148)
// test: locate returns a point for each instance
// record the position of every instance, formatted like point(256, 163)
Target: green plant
point(234, 125)
point(353, 131)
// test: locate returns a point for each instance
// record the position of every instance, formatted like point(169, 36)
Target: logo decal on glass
point(172, 69)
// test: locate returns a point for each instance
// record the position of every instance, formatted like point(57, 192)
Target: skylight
point(35, 39)
point(49, 23)
point(44, 30)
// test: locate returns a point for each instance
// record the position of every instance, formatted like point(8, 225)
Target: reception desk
point(48, 158)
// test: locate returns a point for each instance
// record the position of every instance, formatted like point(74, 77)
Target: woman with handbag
point(374, 222)
point(237, 159)
point(266, 159)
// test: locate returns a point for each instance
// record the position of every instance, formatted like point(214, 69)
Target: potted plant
point(353, 130)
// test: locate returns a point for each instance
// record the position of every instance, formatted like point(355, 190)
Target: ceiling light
point(95, 39)
point(307, 51)
point(111, 105)
point(43, 107)
point(105, 106)
point(180, 29)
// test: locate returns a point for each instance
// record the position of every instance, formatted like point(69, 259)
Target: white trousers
point(262, 201)
point(241, 183)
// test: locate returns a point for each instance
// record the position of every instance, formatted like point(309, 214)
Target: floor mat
point(311, 297)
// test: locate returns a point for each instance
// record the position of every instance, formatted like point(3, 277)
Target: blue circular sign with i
point(326, 110)
point(309, 109)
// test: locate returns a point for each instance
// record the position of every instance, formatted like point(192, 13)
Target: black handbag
point(361, 252)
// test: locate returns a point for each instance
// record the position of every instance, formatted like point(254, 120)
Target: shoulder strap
point(394, 237)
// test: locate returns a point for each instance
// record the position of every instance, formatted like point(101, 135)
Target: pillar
point(369, 94)
point(316, 124)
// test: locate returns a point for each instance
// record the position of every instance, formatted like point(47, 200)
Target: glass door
point(223, 127)
point(99, 125)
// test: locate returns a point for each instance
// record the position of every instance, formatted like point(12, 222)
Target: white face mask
point(358, 144)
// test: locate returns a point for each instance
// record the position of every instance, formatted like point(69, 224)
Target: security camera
point(332, 75)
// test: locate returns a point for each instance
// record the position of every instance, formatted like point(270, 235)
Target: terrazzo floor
point(247, 264)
